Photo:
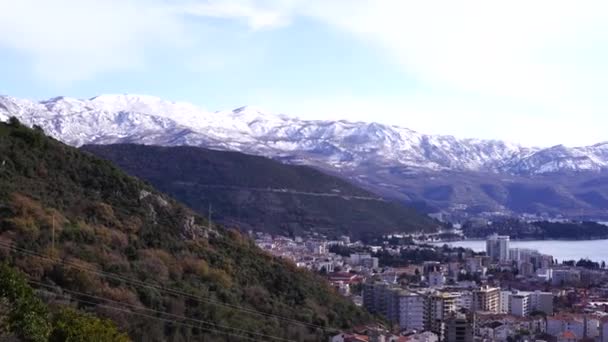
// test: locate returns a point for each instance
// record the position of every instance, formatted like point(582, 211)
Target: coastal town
point(431, 292)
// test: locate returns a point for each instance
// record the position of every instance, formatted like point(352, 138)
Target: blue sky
point(530, 73)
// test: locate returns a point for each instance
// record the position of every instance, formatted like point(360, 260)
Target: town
point(432, 292)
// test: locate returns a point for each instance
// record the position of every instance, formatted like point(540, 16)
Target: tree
point(30, 320)
point(14, 122)
point(27, 318)
point(70, 325)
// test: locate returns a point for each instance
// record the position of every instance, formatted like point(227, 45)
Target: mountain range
point(425, 170)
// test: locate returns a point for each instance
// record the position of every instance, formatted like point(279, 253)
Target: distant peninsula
point(539, 230)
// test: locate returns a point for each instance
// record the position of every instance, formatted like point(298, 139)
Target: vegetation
point(262, 194)
point(417, 256)
point(586, 263)
point(77, 223)
point(542, 230)
point(27, 318)
point(414, 256)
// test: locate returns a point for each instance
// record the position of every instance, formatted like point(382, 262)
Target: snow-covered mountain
point(340, 144)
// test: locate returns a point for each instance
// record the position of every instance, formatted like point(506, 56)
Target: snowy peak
point(140, 104)
point(560, 158)
point(115, 118)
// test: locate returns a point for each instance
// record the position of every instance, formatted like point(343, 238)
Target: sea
point(596, 250)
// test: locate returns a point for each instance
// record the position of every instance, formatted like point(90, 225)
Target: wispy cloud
point(256, 14)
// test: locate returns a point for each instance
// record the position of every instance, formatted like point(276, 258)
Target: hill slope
point(262, 194)
point(117, 238)
point(577, 196)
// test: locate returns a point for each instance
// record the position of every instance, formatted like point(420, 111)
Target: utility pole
point(209, 218)
point(53, 238)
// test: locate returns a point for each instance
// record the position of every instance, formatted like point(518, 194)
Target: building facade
point(459, 328)
point(520, 305)
point(497, 247)
point(486, 299)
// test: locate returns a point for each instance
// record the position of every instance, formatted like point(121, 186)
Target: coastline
point(516, 240)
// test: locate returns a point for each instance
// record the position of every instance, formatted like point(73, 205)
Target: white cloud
point(521, 49)
point(69, 40)
point(72, 40)
point(531, 70)
point(254, 13)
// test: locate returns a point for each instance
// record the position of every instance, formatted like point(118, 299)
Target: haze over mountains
point(441, 173)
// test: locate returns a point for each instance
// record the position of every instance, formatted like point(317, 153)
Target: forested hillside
point(252, 192)
point(107, 243)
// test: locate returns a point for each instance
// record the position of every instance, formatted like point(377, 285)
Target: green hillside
point(24, 317)
point(96, 238)
point(252, 192)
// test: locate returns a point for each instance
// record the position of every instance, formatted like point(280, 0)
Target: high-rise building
point(375, 297)
point(439, 305)
point(497, 247)
point(464, 301)
point(486, 299)
point(460, 327)
point(410, 309)
point(520, 304)
point(505, 302)
point(398, 306)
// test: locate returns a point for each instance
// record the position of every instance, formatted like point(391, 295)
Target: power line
point(158, 318)
point(139, 307)
point(165, 289)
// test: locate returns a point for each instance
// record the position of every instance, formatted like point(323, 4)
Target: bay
point(596, 250)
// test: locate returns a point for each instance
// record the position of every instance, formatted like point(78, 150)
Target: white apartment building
point(464, 300)
point(486, 299)
point(520, 305)
point(505, 302)
point(541, 301)
point(514, 303)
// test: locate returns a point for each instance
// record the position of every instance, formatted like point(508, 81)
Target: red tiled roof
point(356, 338)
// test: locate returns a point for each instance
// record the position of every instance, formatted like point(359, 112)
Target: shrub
point(27, 316)
point(151, 268)
point(192, 265)
point(70, 325)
